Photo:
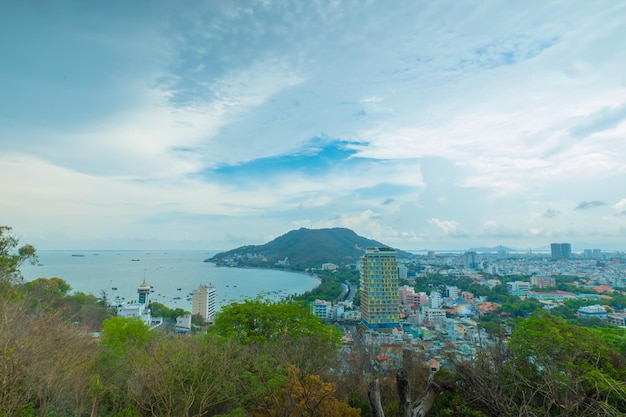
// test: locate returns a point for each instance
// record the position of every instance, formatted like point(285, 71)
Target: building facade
point(322, 309)
point(542, 281)
point(518, 288)
point(378, 292)
point(203, 302)
point(596, 310)
point(470, 260)
point(561, 250)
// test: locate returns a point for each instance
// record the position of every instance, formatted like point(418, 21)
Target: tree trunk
point(373, 395)
point(419, 408)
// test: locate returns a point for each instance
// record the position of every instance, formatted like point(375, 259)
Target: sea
point(172, 275)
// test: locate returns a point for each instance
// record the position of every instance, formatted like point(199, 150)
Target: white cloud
point(620, 206)
point(496, 116)
point(448, 227)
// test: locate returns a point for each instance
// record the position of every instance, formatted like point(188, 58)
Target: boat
point(79, 255)
point(114, 288)
point(135, 260)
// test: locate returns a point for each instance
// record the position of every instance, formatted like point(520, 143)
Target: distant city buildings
point(592, 253)
point(470, 260)
point(203, 302)
point(329, 267)
point(378, 292)
point(561, 251)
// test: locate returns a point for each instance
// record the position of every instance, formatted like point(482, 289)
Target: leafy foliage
point(305, 395)
point(259, 320)
point(12, 256)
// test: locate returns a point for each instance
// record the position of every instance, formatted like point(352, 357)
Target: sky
point(441, 125)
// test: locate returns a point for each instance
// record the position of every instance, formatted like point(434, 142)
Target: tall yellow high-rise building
point(378, 293)
point(203, 302)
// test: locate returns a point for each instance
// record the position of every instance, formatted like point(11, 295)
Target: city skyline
point(442, 125)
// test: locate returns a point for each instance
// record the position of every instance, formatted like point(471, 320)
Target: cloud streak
point(586, 205)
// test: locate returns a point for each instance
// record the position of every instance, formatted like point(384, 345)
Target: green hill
point(302, 247)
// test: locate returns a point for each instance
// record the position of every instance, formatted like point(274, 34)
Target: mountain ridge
point(302, 247)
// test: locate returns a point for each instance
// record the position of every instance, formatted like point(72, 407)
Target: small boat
point(178, 289)
point(114, 288)
point(135, 260)
point(79, 255)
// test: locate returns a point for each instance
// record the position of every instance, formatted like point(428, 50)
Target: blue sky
point(210, 125)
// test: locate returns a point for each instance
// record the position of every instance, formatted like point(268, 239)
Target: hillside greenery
point(303, 248)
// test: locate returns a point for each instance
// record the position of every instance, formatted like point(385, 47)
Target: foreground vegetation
point(265, 359)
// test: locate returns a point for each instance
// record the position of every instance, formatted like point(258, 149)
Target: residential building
point(435, 300)
point(618, 319)
point(453, 292)
point(183, 323)
point(561, 250)
point(203, 302)
point(408, 296)
point(518, 288)
point(542, 281)
point(595, 310)
point(321, 309)
point(557, 295)
point(467, 296)
point(403, 272)
point(378, 292)
point(434, 315)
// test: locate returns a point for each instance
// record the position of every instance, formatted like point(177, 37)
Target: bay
point(173, 275)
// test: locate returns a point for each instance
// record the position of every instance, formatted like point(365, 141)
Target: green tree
point(260, 320)
point(120, 334)
point(180, 376)
point(573, 368)
point(268, 337)
point(12, 256)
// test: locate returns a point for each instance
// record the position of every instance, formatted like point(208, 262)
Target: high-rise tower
point(379, 289)
point(143, 291)
point(561, 250)
point(470, 260)
point(203, 302)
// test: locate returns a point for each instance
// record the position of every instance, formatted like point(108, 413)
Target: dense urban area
point(472, 334)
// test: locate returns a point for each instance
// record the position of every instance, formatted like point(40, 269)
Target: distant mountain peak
point(302, 247)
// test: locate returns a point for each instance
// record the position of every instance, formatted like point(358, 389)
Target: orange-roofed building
point(602, 288)
point(488, 307)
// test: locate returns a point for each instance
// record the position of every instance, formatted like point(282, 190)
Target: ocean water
point(173, 275)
